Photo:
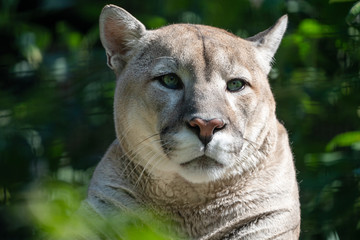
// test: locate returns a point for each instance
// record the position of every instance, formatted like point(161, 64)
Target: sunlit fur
point(242, 184)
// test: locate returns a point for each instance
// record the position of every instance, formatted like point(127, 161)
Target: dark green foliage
point(56, 105)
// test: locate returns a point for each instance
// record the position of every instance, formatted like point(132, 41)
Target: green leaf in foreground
point(56, 210)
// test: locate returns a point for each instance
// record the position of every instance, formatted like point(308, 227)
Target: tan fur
point(244, 186)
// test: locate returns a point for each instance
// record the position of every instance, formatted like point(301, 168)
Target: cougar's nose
point(206, 128)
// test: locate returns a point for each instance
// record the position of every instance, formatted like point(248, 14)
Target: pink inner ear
point(114, 36)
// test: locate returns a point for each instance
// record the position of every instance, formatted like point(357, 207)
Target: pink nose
point(206, 127)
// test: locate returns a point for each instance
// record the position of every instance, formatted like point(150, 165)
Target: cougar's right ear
point(119, 34)
point(268, 41)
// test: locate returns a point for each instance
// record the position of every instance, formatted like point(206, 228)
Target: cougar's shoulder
point(110, 192)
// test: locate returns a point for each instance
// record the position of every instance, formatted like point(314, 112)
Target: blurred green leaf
point(53, 205)
point(322, 159)
point(343, 140)
point(340, 1)
point(353, 13)
point(155, 22)
point(313, 28)
point(310, 27)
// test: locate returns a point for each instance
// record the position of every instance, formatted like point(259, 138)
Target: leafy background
point(56, 106)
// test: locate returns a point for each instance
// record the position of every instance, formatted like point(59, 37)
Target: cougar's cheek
point(181, 145)
point(225, 148)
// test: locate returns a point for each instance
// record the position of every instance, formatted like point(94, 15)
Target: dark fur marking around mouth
point(166, 145)
point(202, 162)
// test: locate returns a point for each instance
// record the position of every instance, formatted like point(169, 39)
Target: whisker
point(252, 154)
point(152, 159)
point(136, 165)
point(133, 154)
point(124, 134)
point(252, 143)
point(150, 171)
point(136, 150)
point(130, 158)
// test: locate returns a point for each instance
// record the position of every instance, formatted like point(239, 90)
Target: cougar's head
point(191, 100)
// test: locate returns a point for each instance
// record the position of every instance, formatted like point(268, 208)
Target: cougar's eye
point(235, 85)
point(171, 81)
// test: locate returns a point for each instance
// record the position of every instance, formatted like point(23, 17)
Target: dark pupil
point(235, 85)
point(171, 79)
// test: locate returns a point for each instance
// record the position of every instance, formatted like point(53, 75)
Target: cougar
point(197, 138)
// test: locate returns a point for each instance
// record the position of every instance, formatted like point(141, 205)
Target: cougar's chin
point(201, 169)
point(198, 163)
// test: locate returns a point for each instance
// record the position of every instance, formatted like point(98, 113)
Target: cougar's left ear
point(119, 33)
point(268, 41)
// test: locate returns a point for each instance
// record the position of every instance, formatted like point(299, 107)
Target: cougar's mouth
point(202, 162)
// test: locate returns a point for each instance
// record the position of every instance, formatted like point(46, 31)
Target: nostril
point(193, 126)
point(197, 122)
point(220, 127)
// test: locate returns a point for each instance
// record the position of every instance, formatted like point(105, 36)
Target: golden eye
point(235, 85)
point(171, 81)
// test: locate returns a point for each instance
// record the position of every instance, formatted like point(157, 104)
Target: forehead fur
point(211, 46)
point(121, 34)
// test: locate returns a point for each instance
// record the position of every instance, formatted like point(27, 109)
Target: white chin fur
point(201, 176)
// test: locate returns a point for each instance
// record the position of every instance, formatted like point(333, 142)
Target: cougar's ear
point(119, 34)
point(268, 41)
